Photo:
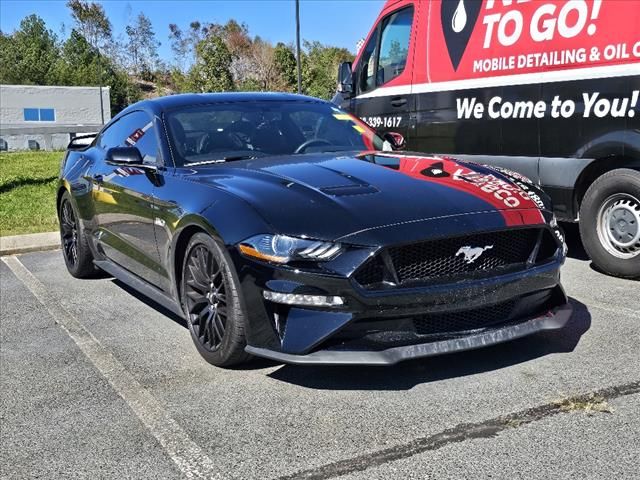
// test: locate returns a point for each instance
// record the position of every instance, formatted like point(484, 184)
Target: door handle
point(398, 102)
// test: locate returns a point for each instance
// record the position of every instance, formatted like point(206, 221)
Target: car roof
point(170, 102)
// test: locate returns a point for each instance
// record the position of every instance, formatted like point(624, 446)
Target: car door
point(123, 196)
point(386, 62)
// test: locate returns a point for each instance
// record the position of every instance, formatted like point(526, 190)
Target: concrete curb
point(34, 242)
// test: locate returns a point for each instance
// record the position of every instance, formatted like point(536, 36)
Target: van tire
point(610, 222)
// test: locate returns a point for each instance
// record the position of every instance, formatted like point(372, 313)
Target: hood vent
point(346, 190)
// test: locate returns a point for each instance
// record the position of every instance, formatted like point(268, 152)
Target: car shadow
point(151, 303)
point(574, 242)
point(406, 375)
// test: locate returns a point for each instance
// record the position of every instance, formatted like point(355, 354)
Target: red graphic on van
point(458, 21)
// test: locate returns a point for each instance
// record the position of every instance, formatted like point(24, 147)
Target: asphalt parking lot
point(97, 382)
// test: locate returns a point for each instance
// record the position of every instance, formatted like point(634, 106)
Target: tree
point(265, 72)
point(184, 44)
point(78, 61)
point(93, 26)
point(91, 22)
point(29, 54)
point(285, 62)
point(319, 68)
point(212, 69)
point(236, 38)
point(81, 64)
point(142, 45)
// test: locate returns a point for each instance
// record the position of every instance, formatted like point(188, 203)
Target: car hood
point(333, 196)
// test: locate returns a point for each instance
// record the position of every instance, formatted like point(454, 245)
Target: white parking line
point(188, 456)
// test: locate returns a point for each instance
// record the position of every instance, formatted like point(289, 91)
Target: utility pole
point(298, 58)
point(101, 102)
point(99, 64)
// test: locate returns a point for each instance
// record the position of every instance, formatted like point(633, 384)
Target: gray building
point(48, 117)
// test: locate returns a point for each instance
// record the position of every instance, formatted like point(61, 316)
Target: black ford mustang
point(282, 227)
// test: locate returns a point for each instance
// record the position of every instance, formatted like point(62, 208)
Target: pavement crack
point(460, 433)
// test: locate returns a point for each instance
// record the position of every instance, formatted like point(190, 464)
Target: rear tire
point(211, 299)
point(610, 223)
point(75, 248)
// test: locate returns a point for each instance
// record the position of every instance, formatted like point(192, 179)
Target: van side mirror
point(345, 79)
point(124, 156)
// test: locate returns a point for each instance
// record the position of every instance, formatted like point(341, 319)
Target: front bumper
point(339, 335)
point(552, 320)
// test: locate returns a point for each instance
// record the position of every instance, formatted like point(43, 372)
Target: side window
point(366, 70)
point(394, 45)
point(111, 136)
point(133, 130)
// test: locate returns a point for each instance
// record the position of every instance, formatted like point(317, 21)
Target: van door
point(382, 76)
point(462, 108)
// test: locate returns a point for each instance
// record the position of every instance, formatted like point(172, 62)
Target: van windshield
point(233, 131)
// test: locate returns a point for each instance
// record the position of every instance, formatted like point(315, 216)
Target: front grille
point(441, 260)
point(465, 320)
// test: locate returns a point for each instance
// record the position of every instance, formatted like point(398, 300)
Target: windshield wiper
point(238, 157)
point(230, 158)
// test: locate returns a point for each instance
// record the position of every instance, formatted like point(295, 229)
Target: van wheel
point(610, 222)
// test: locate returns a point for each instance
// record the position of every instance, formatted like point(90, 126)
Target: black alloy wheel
point(211, 299)
point(75, 248)
point(69, 233)
point(206, 297)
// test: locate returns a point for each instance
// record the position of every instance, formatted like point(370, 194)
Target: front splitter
point(553, 320)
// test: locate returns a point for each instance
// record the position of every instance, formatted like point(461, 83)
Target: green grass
point(28, 192)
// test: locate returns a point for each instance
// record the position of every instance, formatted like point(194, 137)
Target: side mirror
point(124, 156)
point(345, 79)
point(395, 139)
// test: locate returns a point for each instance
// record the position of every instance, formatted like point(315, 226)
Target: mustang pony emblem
point(471, 254)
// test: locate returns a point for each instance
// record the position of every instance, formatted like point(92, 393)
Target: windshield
point(233, 131)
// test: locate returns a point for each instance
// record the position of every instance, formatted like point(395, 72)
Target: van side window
point(366, 77)
point(394, 45)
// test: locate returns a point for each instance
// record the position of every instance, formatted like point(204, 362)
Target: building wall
point(44, 141)
point(77, 111)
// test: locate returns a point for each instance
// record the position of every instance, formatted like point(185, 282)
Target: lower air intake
point(465, 320)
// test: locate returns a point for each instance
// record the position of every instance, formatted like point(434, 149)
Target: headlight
point(283, 249)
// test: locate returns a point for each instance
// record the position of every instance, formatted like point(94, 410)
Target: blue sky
point(336, 22)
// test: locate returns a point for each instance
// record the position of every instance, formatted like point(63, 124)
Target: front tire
point(610, 223)
point(75, 248)
point(212, 303)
